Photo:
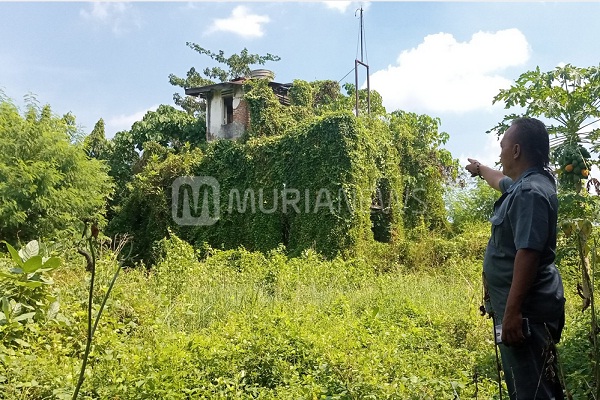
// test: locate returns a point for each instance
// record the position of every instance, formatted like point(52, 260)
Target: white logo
point(195, 200)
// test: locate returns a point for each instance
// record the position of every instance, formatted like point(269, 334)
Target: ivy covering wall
point(309, 188)
point(306, 176)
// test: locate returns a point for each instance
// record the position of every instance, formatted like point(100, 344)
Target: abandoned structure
point(227, 114)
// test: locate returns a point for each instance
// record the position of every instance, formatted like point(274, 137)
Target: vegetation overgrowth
point(237, 324)
point(379, 300)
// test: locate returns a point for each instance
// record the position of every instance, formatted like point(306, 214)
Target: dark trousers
point(531, 370)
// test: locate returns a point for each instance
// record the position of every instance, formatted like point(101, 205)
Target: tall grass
point(238, 324)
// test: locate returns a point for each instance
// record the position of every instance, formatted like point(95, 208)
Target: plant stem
point(112, 283)
point(90, 331)
point(594, 327)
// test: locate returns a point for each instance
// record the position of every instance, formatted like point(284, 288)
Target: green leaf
point(32, 264)
point(51, 263)
point(22, 342)
point(4, 305)
point(24, 317)
point(9, 276)
point(15, 256)
point(29, 284)
point(17, 271)
point(53, 310)
point(31, 249)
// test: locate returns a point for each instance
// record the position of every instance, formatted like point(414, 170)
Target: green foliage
point(145, 213)
point(425, 168)
point(568, 95)
point(326, 93)
point(238, 64)
point(122, 162)
point(470, 205)
point(327, 204)
point(244, 325)
point(321, 97)
point(235, 66)
point(166, 130)
point(301, 94)
point(170, 128)
point(267, 116)
point(47, 183)
point(367, 102)
point(96, 145)
point(309, 99)
point(25, 292)
point(189, 103)
point(423, 249)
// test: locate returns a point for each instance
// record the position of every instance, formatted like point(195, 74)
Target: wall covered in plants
point(309, 188)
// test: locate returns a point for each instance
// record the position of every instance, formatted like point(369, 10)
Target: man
point(520, 276)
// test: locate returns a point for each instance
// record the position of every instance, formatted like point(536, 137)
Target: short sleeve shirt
point(525, 217)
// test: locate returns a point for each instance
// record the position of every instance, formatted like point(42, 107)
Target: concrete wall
point(216, 122)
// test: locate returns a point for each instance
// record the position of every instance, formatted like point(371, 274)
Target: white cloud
point(124, 122)
point(444, 75)
point(342, 6)
point(241, 22)
point(490, 154)
point(121, 17)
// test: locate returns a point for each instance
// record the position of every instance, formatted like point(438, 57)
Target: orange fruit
point(569, 167)
point(585, 173)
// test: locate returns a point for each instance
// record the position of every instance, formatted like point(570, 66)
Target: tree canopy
point(234, 66)
point(47, 183)
point(568, 96)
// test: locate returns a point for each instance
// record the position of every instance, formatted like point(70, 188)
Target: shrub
point(47, 183)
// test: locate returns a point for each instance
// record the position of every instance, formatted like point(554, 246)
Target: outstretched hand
point(472, 167)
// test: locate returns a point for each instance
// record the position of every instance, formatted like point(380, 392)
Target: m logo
point(195, 200)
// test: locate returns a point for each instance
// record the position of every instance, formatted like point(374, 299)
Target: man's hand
point(512, 329)
point(472, 167)
point(491, 176)
point(524, 272)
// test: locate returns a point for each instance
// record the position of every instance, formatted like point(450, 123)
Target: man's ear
point(516, 151)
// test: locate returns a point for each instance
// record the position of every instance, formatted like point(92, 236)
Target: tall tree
point(47, 184)
point(568, 96)
point(96, 145)
point(169, 127)
point(234, 66)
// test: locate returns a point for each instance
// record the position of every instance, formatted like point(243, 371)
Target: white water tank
point(262, 74)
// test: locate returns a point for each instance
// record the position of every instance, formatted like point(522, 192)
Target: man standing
point(524, 286)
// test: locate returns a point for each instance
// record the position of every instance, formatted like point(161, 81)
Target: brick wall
point(241, 114)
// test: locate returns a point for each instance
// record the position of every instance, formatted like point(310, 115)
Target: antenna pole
point(361, 35)
point(361, 62)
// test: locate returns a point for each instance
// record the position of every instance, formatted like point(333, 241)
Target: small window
point(228, 110)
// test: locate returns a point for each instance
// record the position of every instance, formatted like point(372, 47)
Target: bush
point(240, 324)
point(47, 183)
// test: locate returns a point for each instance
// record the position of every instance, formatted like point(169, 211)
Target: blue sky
point(445, 59)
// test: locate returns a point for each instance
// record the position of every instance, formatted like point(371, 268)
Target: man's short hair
point(533, 137)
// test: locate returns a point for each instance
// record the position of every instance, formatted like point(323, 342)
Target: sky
point(111, 60)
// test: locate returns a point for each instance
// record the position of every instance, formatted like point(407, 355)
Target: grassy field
point(240, 325)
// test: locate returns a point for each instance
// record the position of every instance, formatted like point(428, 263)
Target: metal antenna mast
point(361, 62)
